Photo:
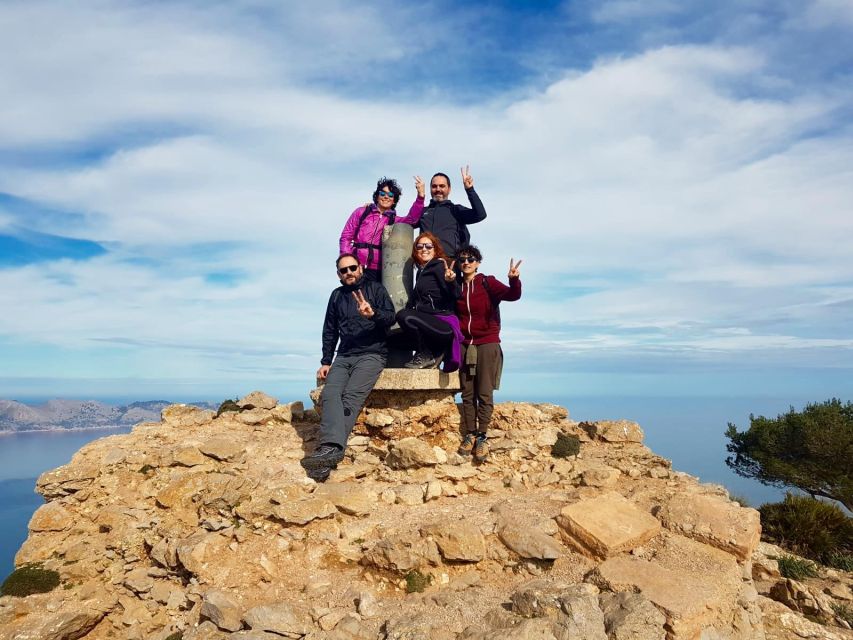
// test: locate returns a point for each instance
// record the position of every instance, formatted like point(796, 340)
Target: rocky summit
point(204, 528)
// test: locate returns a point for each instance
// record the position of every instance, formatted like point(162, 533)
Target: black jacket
point(447, 221)
point(357, 335)
point(432, 293)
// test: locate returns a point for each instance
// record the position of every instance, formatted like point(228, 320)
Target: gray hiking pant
point(349, 382)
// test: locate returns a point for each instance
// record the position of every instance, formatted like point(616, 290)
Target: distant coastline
point(14, 432)
point(62, 415)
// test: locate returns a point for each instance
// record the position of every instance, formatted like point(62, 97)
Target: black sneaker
point(321, 474)
point(420, 361)
point(326, 456)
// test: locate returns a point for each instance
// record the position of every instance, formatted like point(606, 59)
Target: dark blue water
point(23, 458)
point(689, 431)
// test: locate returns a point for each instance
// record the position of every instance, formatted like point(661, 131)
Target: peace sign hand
point(419, 186)
point(467, 180)
point(449, 273)
point(513, 269)
point(364, 308)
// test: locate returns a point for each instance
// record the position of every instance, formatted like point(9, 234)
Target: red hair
point(436, 245)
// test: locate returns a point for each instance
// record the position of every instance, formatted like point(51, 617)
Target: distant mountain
point(79, 414)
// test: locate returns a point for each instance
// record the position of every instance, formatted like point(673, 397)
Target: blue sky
point(677, 176)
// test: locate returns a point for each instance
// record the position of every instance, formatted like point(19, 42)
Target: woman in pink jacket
point(362, 234)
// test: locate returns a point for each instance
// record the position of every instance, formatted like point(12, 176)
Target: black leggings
point(425, 331)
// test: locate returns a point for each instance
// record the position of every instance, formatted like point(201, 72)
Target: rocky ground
point(204, 528)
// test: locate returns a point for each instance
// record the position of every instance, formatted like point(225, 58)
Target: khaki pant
point(478, 388)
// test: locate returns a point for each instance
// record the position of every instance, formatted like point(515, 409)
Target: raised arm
point(477, 212)
point(417, 208)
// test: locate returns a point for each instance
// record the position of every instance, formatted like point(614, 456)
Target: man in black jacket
point(447, 221)
point(358, 314)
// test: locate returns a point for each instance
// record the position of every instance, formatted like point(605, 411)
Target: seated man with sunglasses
point(358, 316)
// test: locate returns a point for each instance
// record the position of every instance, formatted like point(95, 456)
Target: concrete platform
point(417, 379)
point(404, 388)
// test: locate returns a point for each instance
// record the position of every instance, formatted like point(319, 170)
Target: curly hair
point(469, 250)
point(436, 245)
point(387, 184)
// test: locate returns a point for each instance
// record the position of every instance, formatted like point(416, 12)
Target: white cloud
point(691, 203)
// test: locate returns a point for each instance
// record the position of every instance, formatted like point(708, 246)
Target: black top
point(357, 335)
point(447, 221)
point(432, 293)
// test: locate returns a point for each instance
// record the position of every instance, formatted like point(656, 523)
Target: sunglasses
point(423, 245)
point(385, 194)
point(350, 269)
point(467, 260)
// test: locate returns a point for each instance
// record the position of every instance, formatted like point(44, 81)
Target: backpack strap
point(367, 245)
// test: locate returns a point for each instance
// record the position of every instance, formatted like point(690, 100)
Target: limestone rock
point(51, 517)
point(600, 476)
point(630, 616)
point(410, 453)
point(66, 480)
point(253, 417)
point(530, 543)
point(403, 553)
point(258, 400)
point(188, 457)
point(714, 521)
point(221, 448)
point(695, 586)
point(304, 511)
point(351, 499)
point(614, 430)
point(290, 412)
point(606, 525)
point(183, 416)
point(218, 607)
point(280, 618)
point(409, 494)
point(538, 598)
point(457, 541)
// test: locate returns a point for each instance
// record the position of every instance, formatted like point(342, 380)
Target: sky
point(677, 177)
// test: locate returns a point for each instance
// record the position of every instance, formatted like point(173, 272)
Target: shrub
point(29, 579)
point(840, 560)
point(808, 527)
point(741, 500)
point(178, 635)
point(843, 611)
point(416, 581)
point(796, 568)
point(228, 405)
point(566, 445)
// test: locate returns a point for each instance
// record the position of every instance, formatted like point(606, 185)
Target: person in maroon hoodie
point(482, 358)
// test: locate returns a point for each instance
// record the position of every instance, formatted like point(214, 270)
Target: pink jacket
point(371, 232)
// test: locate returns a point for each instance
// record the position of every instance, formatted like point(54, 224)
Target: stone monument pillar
point(397, 276)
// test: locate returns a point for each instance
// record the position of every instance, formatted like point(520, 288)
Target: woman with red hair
point(429, 319)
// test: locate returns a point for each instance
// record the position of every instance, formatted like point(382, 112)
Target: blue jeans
point(348, 384)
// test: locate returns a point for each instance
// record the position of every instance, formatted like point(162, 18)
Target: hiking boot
point(326, 456)
point(481, 449)
point(321, 474)
point(422, 360)
point(467, 446)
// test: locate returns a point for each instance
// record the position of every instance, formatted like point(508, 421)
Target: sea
point(689, 431)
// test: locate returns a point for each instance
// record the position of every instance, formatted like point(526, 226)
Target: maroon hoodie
point(477, 307)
